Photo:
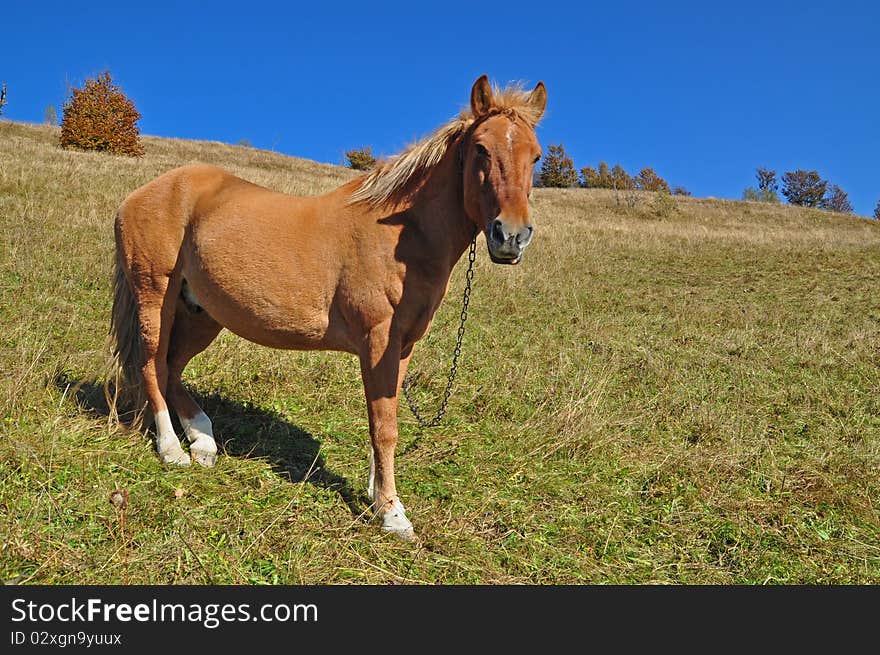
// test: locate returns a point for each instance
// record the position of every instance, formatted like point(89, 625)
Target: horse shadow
point(245, 431)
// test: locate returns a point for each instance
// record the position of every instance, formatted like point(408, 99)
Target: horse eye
point(481, 150)
point(537, 158)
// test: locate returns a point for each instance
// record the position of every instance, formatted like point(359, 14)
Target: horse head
point(498, 155)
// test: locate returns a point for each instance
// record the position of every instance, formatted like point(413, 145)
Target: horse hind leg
point(193, 331)
point(156, 309)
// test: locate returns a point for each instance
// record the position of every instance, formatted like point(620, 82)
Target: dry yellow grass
point(686, 395)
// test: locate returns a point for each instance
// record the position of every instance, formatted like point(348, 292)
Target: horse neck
point(438, 209)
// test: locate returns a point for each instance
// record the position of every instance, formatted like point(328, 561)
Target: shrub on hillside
point(50, 116)
point(767, 186)
point(766, 180)
point(617, 178)
point(593, 179)
point(361, 159)
point(2, 97)
point(557, 169)
point(837, 200)
point(804, 188)
point(681, 191)
point(760, 195)
point(621, 179)
point(648, 180)
point(664, 204)
point(100, 117)
point(877, 211)
point(589, 176)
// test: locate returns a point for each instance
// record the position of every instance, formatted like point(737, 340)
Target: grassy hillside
point(686, 398)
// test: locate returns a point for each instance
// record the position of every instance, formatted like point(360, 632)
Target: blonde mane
point(390, 178)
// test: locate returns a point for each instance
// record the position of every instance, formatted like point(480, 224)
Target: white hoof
point(204, 451)
point(406, 535)
point(174, 456)
point(394, 520)
point(167, 444)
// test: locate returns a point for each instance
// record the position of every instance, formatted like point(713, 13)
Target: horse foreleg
point(404, 366)
point(380, 368)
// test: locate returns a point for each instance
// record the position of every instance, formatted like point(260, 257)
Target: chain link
point(407, 384)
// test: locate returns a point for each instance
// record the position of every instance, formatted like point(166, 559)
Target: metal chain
point(407, 384)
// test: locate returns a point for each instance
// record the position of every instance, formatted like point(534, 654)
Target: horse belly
point(264, 311)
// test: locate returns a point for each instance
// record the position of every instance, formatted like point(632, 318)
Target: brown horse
point(361, 269)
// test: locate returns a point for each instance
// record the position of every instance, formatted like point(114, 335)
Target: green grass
point(685, 396)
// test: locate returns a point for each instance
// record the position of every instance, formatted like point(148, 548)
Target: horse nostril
point(498, 232)
point(525, 234)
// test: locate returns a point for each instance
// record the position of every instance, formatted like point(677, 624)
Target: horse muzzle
point(507, 242)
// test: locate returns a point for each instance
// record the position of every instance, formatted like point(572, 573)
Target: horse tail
point(123, 382)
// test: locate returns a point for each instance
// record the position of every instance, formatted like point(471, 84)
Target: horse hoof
point(394, 520)
point(205, 458)
point(204, 451)
point(408, 534)
point(176, 457)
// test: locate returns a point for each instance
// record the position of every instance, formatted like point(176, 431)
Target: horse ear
point(481, 97)
point(538, 100)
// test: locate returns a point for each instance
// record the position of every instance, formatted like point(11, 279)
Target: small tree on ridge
point(557, 169)
point(361, 159)
point(767, 186)
point(766, 180)
point(593, 179)
point(100, 117)
point(804, 188)
point(620, 179)
point(837, 200)
point(50, 116)
point(648, 180)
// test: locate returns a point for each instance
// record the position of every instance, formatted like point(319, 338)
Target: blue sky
point(703, 92)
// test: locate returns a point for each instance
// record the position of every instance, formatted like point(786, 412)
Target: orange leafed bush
point(100, 117)
point(361, 159)
point(648, 180)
